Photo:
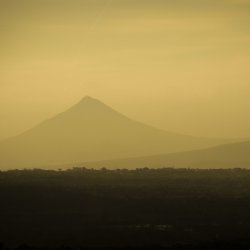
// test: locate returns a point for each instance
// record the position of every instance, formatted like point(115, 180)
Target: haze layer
point(181, 65)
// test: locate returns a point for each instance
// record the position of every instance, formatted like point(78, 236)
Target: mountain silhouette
point(92, 131)
point(233, 155)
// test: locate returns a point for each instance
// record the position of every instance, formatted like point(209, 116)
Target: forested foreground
point(125, 209)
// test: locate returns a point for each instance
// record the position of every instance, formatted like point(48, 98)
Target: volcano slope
point(91, 131)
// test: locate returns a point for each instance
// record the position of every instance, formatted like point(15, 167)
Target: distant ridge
point(91, 131)
point(233, 155)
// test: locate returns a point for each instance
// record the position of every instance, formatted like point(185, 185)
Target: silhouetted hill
point(234, 155)
point(92, 131)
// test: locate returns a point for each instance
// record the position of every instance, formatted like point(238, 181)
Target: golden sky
point(181, 65)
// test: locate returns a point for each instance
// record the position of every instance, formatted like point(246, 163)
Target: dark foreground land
point(125, 209)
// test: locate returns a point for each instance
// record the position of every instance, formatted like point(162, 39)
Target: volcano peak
point(88, 99)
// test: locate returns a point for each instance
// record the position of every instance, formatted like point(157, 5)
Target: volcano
point(92, 131)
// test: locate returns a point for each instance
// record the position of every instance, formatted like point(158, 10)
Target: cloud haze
point(182, 65)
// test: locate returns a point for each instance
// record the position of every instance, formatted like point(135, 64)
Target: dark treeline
point(219, 245)
point(93, 209)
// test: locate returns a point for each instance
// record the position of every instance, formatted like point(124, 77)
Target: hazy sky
point(181, 65)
